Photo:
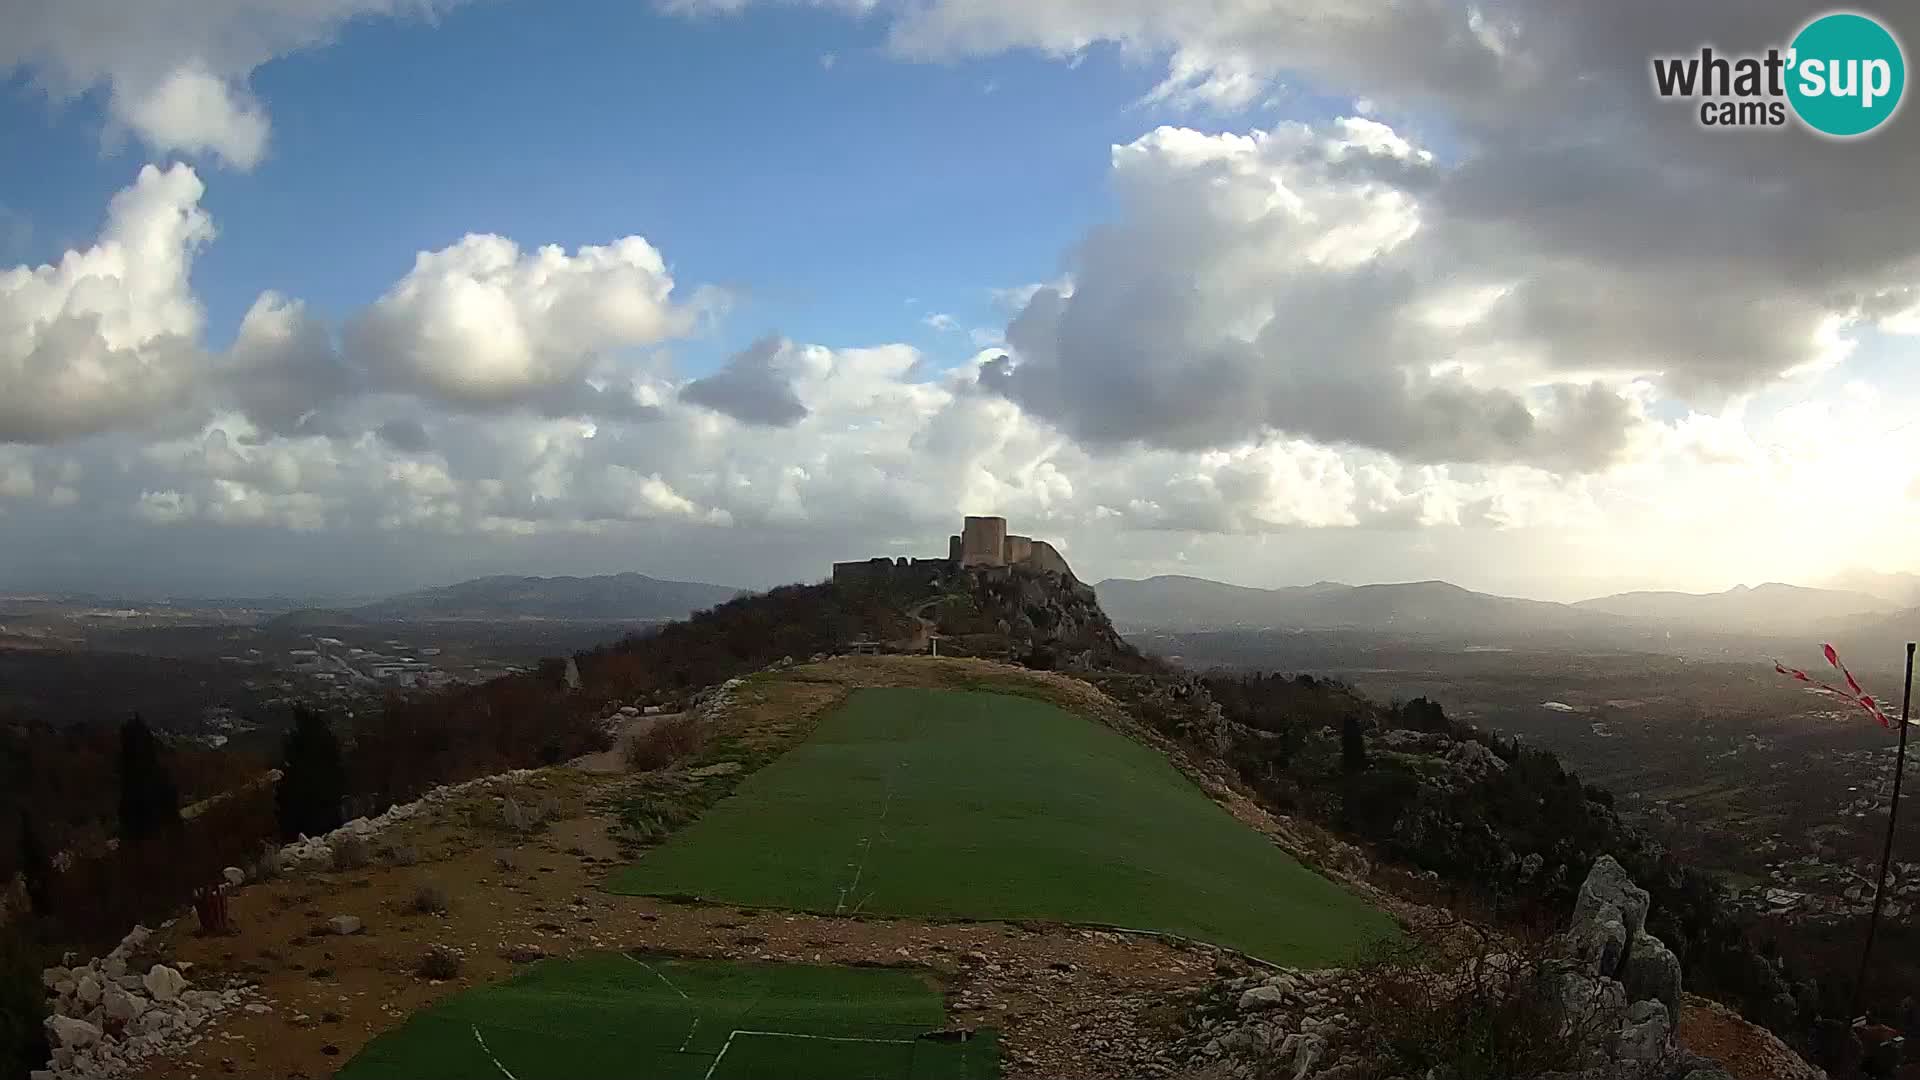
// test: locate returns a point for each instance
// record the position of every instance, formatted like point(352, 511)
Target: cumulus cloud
point(1281, 282)
point(752, 387)
point(110, 335)
point(176, 71)
point(1626, 244)
point(483, 325)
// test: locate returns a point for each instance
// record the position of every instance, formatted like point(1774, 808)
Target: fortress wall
point(1045, 557)
point(1019, 549)
point(953, 548)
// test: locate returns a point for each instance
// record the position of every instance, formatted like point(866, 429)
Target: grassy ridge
point(975, 805)
point(655, 1018)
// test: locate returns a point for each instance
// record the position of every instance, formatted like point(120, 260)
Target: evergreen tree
point(35, 867)
point(1353, 744)
point(313, 780)
point(149, 803)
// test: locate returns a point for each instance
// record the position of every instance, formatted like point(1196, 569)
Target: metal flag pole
point(1886, 854)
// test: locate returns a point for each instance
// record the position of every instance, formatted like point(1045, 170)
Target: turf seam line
point(695, 1026)
point(867, 847)
point(728, 1045)
point(658, 974)
point(504, 1071)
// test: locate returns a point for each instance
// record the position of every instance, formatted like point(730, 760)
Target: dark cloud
point(751, 388)
point(405, 435)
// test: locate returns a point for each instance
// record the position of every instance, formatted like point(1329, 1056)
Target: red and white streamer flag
point(1853, 692)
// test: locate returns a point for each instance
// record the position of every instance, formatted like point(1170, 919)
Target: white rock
point(345, 924)
point(121, 1005)
point(234, 875)
point(65, 987)
point(70, 1033)
point(1262, 997)
point(164, 983)
point(88, 989)
point(54, 976)
point(115, 965)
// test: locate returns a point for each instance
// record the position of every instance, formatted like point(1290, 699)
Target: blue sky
point(827, 194)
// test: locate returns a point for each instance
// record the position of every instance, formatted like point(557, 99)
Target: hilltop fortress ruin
point(982, 544)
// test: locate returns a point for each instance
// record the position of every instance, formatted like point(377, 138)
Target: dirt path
point(613, 760)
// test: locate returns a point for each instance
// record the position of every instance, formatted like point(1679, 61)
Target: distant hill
point(1414, 607)
point(1772, 608)
point(611, 596)
point(1901, 589)
point(608, 598)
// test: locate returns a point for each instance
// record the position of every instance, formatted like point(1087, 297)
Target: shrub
point(313, 781)
point(23, 1007)
point(1470, 1011)
point(664, 743)
point(439, 962)
point(149, 803)
point(429, 899)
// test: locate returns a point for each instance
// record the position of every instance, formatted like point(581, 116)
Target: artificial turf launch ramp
point(940, 803)
point(641, 1017)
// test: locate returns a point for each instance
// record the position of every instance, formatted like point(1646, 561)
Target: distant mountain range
point(1426, 607)
point(1770, 608)
point(608, 598)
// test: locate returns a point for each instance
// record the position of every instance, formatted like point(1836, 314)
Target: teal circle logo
point(1846, 74)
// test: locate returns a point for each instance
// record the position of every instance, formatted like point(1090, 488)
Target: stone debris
point(317, 851)
point(105, 1019)
point(344, 925)
point(1615, 983)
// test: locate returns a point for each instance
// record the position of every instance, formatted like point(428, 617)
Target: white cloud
point(483, 325)
point(176, 71)
point(108, 337)
point(940, 321)
point(195, 112)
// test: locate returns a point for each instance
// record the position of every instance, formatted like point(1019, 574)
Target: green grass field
point(973, 805)
point(654, 1018)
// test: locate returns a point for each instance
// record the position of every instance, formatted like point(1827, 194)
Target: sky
point(343, 297)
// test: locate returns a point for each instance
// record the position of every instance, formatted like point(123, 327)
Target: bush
point(664, 743)
point(1473, 1012)
point(23, 1007)
point(313, 781)
point(429, 899)
point(439, 962)
point(149, 803)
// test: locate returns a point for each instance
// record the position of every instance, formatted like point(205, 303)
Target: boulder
point(1414, 742)
point(234, 875)
point(123, 1006)
point(71, 1034)
point(1647, 1033)
point(1475, 758)
point(1608, 885)
point(1589, 1001)
point(88, 989)
point(345, 924)
point(1262, 997)
point(164, 983)
point(54, 976)
point(1600, 941)
point(1652, 971)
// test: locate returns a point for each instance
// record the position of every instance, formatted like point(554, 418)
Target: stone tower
point(983, 542)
